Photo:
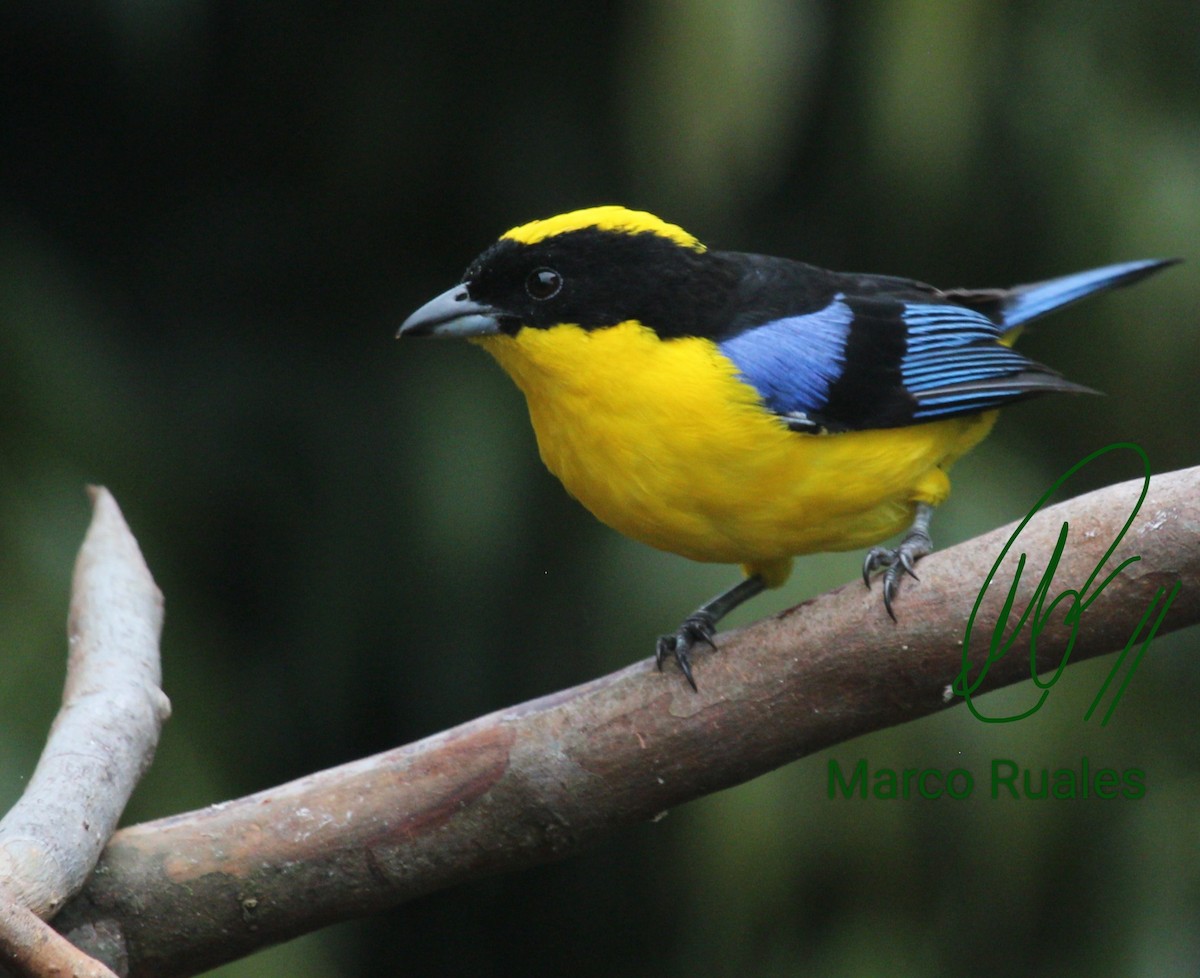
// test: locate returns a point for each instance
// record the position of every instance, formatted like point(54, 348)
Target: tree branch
point(538, 781)
point(100, 744)
point(35, 949)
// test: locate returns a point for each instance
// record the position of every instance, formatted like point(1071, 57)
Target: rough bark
point(536, 782)
point(101, 743)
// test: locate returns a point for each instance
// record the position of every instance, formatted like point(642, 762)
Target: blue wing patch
point(792, 362)
point(815, 372)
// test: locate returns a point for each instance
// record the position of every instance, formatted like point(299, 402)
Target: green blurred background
point(214, 215)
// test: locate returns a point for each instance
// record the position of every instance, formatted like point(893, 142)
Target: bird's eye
point(543, 283)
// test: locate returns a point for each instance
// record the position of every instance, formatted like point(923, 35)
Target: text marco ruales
point(1004, 778)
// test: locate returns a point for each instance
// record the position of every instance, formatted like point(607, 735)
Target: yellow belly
point(663, 442)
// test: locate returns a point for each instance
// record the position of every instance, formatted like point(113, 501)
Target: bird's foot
point(696, 628)
point(893, 564)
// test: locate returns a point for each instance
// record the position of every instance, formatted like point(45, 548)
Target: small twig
point(539, 781)
point(103, 737)
point(37, 950)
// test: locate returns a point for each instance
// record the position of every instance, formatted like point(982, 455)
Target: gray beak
point(452, 314)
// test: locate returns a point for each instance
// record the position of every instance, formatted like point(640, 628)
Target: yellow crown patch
point(606, 218)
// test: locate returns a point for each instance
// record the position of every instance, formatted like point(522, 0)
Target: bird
point(747, 409)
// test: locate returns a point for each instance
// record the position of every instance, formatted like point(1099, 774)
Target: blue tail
point(1025, 302)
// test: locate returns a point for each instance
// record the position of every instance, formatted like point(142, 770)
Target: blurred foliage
point(212, 217)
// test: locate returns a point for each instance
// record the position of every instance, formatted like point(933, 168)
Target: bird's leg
point(701, 625)
point(916, 544)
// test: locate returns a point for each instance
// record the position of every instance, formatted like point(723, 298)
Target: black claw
point(895, 564)
point(701, 626)
point(888, 591)
point(877, 559)
point(685, 666)
point(695, 629)
point(664, 648)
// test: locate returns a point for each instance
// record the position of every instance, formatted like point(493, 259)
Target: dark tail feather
point(1016, 306)
point(984, 395)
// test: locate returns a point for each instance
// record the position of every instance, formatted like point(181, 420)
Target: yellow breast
point(662, 441)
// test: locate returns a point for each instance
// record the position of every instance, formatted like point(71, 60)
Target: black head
point(593, 269)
